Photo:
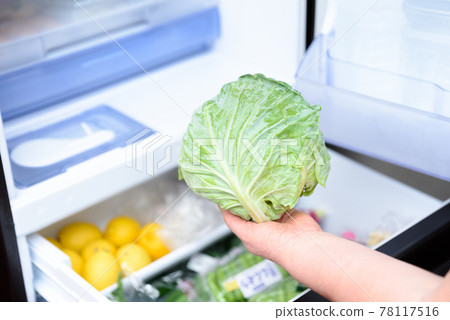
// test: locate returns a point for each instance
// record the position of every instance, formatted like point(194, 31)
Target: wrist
point(300, 249)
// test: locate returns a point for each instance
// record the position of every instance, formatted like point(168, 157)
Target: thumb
point(237, 225)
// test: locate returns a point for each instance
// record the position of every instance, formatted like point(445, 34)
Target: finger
point(232, 220)
point(284, 218)
point(303, 220)
point(237, 225)
point(289, 216)
point(296, 214)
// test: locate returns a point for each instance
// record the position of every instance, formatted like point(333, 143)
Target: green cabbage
point(254, 149)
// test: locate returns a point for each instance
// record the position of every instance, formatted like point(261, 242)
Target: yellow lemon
point(96, 246)
point(75, 260)
point(150, 229)
point(121, 230)
point(100, 270)
point(151, 242)
point(132, 257)
point(54, 242)
point(76, 235)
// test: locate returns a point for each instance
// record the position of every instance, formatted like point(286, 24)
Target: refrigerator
point(96, 95)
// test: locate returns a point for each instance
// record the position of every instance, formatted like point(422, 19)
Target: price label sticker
point(258, 278)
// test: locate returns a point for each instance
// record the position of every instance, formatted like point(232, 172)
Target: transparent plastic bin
point(189, 224)
point(387, 115)
point(34, 30)
point(93, 53)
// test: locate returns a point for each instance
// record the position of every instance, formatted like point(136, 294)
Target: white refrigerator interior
point(255, 37)
point(161, 99)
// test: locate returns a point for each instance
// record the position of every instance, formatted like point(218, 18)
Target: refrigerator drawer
point(162, 199)
point(55, 280)
point(53, 277)
point(356, 198)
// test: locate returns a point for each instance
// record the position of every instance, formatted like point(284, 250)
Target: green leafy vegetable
point(254, 149)
point(118, 294)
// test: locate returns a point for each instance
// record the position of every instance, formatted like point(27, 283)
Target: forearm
point(342, 270)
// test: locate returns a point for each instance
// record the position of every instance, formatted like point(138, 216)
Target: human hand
point(273, 239)
point(336, 268)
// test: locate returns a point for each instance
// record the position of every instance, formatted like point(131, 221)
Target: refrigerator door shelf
point(378, 112)
point(361, 202)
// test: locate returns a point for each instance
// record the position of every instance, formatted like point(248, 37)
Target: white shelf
point(362, 200)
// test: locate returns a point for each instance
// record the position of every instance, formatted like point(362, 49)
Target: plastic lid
point(49, 151)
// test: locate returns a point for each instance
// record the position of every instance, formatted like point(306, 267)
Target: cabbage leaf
point(254, 149)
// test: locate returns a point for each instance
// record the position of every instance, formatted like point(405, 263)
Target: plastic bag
point(224, 272)
point(285, 290)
